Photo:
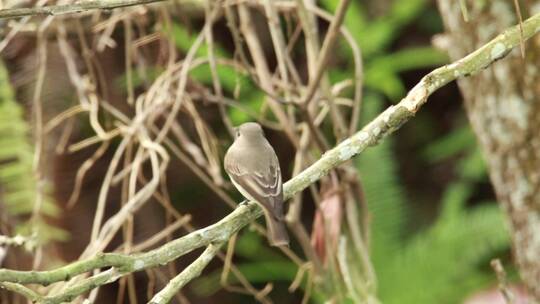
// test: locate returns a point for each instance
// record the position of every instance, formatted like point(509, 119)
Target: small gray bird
point(253, 167)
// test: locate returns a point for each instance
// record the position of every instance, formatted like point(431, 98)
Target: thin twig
point(80, 7)
point(263, 72)
point(316, 73)
point(503, 284)
point(213, 68)
point(280, 47)
point(327, 49)
point(358, 69)
point(464, 10)
point(520, 19)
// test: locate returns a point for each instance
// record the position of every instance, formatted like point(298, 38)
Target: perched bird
point(253, 167)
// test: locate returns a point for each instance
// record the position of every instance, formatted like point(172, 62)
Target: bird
point(253, 167)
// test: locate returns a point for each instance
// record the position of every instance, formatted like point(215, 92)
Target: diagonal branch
point(386, 123)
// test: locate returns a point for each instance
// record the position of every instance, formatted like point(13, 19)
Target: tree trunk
point(503, 106)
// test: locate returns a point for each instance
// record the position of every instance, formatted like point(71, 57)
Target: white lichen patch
point(456, 73)
point(452, 65)
point(362, 136)
point(388, 113)
point(314, 177)
point(419, 93)
point(346, 142)
point(376, 131)
point(347, 152)
point(497, 51)
point(206, 258)
point(203, 233)
point(138, 265)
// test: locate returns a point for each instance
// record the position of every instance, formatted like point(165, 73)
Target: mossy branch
point(213, 236)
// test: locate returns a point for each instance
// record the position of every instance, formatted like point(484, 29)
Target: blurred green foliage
point(232, 80)
point(375, 36)
point(445, 262)
point(18, 185)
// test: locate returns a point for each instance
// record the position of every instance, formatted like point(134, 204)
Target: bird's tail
point(276, 231)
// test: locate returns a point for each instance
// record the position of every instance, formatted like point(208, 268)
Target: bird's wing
point(264, 186)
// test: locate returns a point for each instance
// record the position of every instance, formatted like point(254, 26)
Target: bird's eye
point(236, 132)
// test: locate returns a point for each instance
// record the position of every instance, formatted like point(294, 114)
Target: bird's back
point(242, 155)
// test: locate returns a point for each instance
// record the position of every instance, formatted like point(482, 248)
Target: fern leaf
point(17, 181)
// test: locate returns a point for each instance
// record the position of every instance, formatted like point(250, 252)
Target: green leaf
point(385, 82)
point(408, 59)
point(253, 246)
point(374, 36)
point(454, 199)
point(458, 141)
point(404, 11)
point(473, 166)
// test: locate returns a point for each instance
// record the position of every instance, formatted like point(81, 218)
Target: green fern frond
point(447, 261)
point(17, 183)
point(455, 143)
point(384, 193)
point(444, 263)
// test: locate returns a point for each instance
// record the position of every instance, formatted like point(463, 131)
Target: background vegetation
point(434, 224)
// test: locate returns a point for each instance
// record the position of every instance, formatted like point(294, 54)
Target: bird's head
point(249, 130)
